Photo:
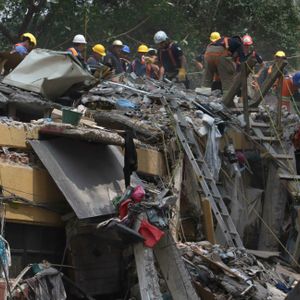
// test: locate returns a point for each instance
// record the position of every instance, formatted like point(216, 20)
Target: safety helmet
point(159, 37)
point(296, 79)
point(117, 43)
point(142, 49)
point(126, 49)
point(31, 37)
point(152, 51)
point(98, 48)
point(214, 36)
point(79, 39)
point(280, 54)
point(247, 40)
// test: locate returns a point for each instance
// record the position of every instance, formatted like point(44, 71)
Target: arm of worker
point(182, 69)
point(161, 72)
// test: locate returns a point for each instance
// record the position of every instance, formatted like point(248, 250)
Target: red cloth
point(138, 194)
point(123, 209)
point(150, 233)
point(296, 139)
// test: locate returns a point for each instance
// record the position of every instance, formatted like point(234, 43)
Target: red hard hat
point(247, 40)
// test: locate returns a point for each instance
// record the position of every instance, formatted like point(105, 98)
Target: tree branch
point(7, 33)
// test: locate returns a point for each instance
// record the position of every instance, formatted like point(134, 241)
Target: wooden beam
point(173, 269)
point(21, 213)
point(244, 75)
point(277, 71)
point(237, 82)
point(150, 161)
point(146, 271)
point(208, 221)
point(175, 221)
point(15, 136)
point(31, 183)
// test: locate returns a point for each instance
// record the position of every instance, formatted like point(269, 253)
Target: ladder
point(284, 173)
point(207, 185)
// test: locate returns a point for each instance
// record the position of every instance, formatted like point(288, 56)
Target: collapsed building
point(157, 193)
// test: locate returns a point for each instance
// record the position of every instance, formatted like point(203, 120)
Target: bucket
point(71, 117)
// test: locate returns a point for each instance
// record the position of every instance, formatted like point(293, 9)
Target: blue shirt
point(21, 49)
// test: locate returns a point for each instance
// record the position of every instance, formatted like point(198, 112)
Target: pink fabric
point(138, 194)
point(150, 233)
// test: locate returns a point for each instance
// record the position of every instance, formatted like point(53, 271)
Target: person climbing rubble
point(138, 65)
point(10, 59)
point(218, 59)
point(95, 62)
point(97, 56)
point(171, 59)
point(79, 45)
point(124, 57)
point(26, 45)
point(113, 57)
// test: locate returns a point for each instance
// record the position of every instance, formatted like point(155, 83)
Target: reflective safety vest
point(73, 51)
point(218, 50)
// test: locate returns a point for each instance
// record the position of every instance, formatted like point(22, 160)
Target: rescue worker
point(26, 45)
point(138, 65)
point(125, 57)
point(113, 57)
point(199, 62)
point(96, 58)
point(79, 44)
point(218, 59)
point(172, 61)
point(267, 70)
point(251, 52)
point(9, 60)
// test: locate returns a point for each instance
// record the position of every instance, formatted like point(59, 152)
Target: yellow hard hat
point(214, 36)
point(143, 49)
point(279, 54)
point(99, 49)
point(31, 37)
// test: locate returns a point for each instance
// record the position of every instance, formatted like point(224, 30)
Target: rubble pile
point(230, 273)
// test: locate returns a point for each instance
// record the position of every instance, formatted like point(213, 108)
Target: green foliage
point(273, 24)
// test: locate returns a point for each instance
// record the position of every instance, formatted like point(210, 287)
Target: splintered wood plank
point(146, 271)
point(208, 221)
point(173, 269)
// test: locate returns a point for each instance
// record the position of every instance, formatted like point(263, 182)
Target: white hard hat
point(160, 36)
point(79, 39)
point(117, 43)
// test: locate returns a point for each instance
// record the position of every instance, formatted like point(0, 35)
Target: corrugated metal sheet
point(89, 175)
point(48, 72)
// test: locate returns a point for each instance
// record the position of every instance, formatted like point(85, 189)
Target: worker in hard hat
point(218, 59)
point(124, 57)
point(138, 65)
point(96, 58)
point(97, 55)
point(79, 45)
point(113, 57)
point(171, 59)
point(249, 50)
point(28, 42)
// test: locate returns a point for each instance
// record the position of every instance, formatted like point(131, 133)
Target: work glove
point(182, 74)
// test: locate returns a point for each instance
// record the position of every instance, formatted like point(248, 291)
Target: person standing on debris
point(26, 45)
point(97, 56)
point(95, 62)
point(138, 65)
point(79, 44)
point(113, 57)
point(152, 68)
point(172, 61)
point(124, 57)
point(218, 59)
